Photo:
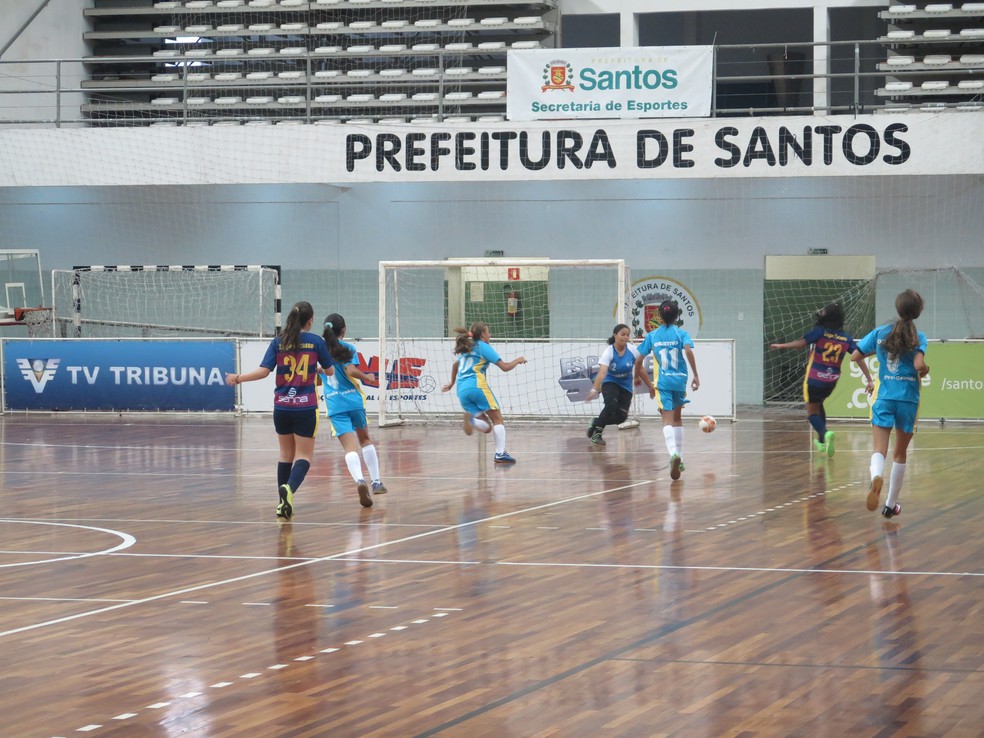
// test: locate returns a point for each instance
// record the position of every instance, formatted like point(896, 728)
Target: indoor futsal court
point(148, 589)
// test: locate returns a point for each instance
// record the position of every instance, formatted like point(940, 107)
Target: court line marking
point(332, 557)
point(127, 541)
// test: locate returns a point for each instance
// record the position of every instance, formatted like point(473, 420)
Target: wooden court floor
point(146, 588)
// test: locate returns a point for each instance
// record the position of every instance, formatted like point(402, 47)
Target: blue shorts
point(671, 399)
point(347, 422)
point(895, 414)
point(302, 423)
point(474, 401)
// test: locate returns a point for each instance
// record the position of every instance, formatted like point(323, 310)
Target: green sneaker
point(596, 439)
point(285, 509)
point(828, 441)
point(676, 466)
point(819, 446)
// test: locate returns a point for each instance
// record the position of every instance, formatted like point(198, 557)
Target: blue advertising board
point(118, 374)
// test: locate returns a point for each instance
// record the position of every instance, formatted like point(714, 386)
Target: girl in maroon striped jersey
point(829, 344)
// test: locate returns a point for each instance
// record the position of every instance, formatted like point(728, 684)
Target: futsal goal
point(954, 308)
point(123, 301)
point(556, 313)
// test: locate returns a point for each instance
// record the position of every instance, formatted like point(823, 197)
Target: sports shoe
point(378, 488)
point(285, 509)
point(364, 499)
point(504, 458)
point(675, 466)
point(592, 429)
point(597, 440)
point(873, 491)
point(828, 442)
point(819, 446)
point(891, 512)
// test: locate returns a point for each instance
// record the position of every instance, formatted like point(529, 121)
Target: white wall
point(56, 33)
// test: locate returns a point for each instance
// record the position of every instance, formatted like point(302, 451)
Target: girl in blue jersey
point(346, 402)
point(616, 368)
point(669, 345)
point(830, 344)
point(901, 351)
point(295, 355)
point(476, 397)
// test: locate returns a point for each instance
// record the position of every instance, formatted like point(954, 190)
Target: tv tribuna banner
point(650, 82)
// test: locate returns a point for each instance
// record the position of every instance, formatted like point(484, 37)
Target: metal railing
point(749, 80)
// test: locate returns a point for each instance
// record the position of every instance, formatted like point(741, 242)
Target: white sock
point(499, 431)
point(480, 424)
point(372, 461)
point(354, 465)
point(877, 465)
point(678, 438)
point(895, 484)
point(670, 437)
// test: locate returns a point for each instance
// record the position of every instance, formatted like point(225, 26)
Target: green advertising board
point(953, 389)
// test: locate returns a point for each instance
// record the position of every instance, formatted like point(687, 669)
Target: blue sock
point(818, 425)
point(283, 472)
point(297, 474)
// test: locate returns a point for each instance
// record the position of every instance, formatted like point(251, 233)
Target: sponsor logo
point(38, 371)
point(557, 75)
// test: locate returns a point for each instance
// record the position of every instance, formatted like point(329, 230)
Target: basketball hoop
point(39, 321)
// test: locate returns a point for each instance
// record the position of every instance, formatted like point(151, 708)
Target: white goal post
point(120, 301)
point(557, 313)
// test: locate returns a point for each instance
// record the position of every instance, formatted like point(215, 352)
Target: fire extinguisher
point(512, 304)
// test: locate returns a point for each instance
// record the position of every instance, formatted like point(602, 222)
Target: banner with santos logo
point(647, 82)
point(121, 375)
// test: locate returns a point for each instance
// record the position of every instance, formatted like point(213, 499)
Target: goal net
point(166, 301)
point(954, 310)
point(557, 314)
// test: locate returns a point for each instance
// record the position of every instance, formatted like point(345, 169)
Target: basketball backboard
point(21, 284)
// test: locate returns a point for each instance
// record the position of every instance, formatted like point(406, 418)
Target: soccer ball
point(707, 424)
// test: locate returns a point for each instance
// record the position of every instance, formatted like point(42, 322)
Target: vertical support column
point(628, 29)
point(821, 59)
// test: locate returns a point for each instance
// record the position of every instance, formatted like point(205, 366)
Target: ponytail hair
point(334, 327)
point(669, 312)
point(298, 317)
point(904, 338)
point(466, 339)
point(616, 330)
